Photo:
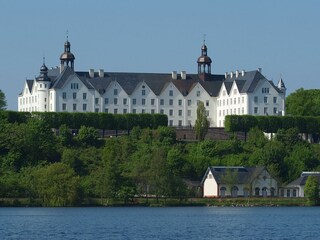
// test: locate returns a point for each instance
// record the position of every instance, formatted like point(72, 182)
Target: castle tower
point(43, 83)
point(67, 58)
point(204, 61)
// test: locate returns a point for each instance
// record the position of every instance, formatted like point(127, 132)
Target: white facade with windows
point(176, 95)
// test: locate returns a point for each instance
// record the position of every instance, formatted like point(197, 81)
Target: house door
point(234, 191)
point(222, 191)
point(264, 192)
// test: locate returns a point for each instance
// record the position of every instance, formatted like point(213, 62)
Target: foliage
point(202, 123)
point(3, 101)
point(311, 190)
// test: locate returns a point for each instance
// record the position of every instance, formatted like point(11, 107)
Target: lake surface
point(160, 223)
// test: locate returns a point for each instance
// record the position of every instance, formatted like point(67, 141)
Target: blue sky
point(280, 36)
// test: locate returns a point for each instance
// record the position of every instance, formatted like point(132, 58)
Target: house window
point(161, 101)
point(171, 112)
point(115, 111)
point(143, 101)
point(134, 110)
point(96, 100)
point(198, 93)
point(255, 99)
point(115, 101)
point(222, 191)
point(171, 102)
point(74, 107)
point(84, 107)
point(180, 123)
point(207, 113)
point(64, 106)
point(115, 91)
point(265, 99)
point(152, 111)
point(242, 99)
point(180, 102)
point(264, 192)
point(288, 193)
point(255, 110)
point(189, 113)
point(134, 101)
point(106, 110)
point(152, 101)
point(106, 101)
point(180, 112)
point(265, 111)
point(161, 111)
point(124, 110)
point(124, 101)
point(74, 95)
point(272, 192)
point(171, 123)
point(294, 192)
point(207, 103)
point(223, 102)
point(234, 191)
point(84, 96)
point(257, 191)
point(189, 102)
point(171, 93)
point(64, 95)
point(274, 99)
point(143, 92)
point(275, 111)
point(96, 110)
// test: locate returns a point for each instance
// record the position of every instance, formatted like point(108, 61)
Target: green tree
point(311, 190)
point(3, 101)
point(87, 136)
point(202, 123)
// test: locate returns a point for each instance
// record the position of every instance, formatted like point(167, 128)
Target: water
point(160, 223)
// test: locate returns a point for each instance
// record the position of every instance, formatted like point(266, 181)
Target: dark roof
point(30, 84)
point(301, 181)
point(243, 174)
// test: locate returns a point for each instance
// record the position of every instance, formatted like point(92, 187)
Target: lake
point(160, 223)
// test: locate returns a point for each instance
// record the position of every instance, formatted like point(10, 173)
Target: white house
point(296, 187)
point(238, 181)
point(174, 94)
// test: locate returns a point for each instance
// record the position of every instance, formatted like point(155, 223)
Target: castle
point(63, 89)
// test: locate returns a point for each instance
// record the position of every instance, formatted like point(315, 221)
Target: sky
point(280, 36)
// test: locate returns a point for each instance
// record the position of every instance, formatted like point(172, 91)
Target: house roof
point(301, 181)
point(242, 174)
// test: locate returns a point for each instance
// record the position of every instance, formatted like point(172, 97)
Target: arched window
point(234, 191)
point(246, 192)
point(222, 191)
point(264, 192)
point(257, 191)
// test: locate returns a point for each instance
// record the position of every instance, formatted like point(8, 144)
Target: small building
point(296, 187)
point(221, 181)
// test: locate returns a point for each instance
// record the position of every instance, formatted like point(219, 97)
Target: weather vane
point(204, 38)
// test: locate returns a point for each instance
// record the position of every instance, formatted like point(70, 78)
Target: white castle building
point(62, 89)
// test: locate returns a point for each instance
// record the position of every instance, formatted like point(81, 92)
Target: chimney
point(237, 73)
point(226, 75)
point(183, 75)
point(260, 70)
point(91, 72)
point(174, 75)
point(231, 74)
point(242, 73)
point(101, 73)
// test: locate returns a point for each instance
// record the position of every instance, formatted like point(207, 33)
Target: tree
point(202, 123)
point(311, 190)
point(3, 101)
point(88, 136)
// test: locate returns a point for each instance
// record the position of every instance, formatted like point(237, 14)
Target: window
point(161, 111)
point(96, 109)
point(143, 101)
point(198, 93)
point(242, 99)
point(265, 90)
point(222, 191)
point(242, 110)
point(255, 111)
point(207, 103)
point(170, 102)
point(275, 110)
point(179, 102)
point(274, 99)
point(134, 110)
point(134, 101)
point(257, 191)
point(152, 111)
point(180, 112)
point(180, 123)
point(219, 113)
point(235, 101)
point(96, 100)
point(64, 106)
point(84, 107)
point(189, 102)
point(143, 111)
point(124, 111)
point(115, 101)
point(294, 193)
point(143, 92)
point(265, 111)
point(64, 95)
point(161, 101)
point(223, 102)
point(74, 107)
point(115, 111)
point(106, 101)
point(207, 113)
point(74, 95)
point(171, 123)
point(171, 93)
point(170, 112)
point(115, 91)
point(265, 99)
point(288, 192)
point(124, 101)
point(152, 101)
point(106, 110)
point(84, 96)
point(189, 113)
point(255, 99)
